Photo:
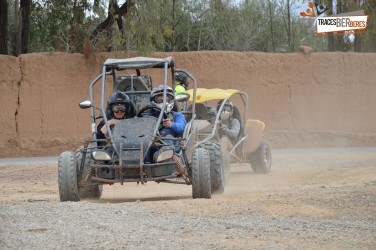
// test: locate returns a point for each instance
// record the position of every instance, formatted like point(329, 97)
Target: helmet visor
point(119, 108)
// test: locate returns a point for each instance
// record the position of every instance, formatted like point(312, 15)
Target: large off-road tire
point(201, 174)
point(216, 166)
point(67, 177)
point(261, 159)
point(91, 190)
point(226, 165)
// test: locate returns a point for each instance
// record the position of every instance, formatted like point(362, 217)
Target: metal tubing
point(120, 169)
point(141, 162)
point(112, 181)
point(174, 182)
point(132, 166)
point(238, 143)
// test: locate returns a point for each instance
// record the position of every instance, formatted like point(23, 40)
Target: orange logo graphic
point(314, 9)
point(310, 12)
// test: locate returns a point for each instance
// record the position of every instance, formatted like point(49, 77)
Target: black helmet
point(182, 79)
point(119, 97)
point(156, 97)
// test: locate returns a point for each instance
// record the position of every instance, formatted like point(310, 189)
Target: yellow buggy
point(250, 146)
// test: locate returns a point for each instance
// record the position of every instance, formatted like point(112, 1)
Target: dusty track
point(315, 199)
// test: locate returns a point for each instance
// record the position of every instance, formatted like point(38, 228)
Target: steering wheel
point(153, 111)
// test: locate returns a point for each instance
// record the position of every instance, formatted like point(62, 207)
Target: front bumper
point(116, 173)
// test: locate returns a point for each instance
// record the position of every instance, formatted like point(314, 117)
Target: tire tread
point(216, 166)
point(201, 187)
point(257, 159)
point(67, 177)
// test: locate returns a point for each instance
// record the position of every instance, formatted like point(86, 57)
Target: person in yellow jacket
point(182, 83)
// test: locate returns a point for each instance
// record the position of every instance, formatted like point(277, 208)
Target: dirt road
point(312, 199)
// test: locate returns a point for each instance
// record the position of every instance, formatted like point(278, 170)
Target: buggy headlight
point(163, 154)
point(100, 155)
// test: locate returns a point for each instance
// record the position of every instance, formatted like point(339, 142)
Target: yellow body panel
point(255, 131)
point(203, 94)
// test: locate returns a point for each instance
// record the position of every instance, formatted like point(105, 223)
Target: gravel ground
point(307, 202)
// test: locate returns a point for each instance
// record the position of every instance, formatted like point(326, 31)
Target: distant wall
point(319, 99)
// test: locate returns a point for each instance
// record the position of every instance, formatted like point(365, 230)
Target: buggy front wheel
point(217, 179)
point(201, 187)
point(67, 177)
point(91, 189)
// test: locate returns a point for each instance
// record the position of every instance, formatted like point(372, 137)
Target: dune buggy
point(134, 151)
point(250, 146)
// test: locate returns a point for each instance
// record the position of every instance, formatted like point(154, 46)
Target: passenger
point(118, 108)
point(230, 126)
point(174, 124)
point(182, 83)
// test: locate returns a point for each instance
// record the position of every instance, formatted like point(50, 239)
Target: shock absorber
point(181, 170)
point(178, 166)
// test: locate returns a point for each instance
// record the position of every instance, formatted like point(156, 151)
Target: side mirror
point(182, 97)
point(85, 104)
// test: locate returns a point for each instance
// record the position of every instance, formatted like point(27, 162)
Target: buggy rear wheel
point(261, 159)
point(201, 187)
point(67, 177)
point(91, 189)
point(216, 166)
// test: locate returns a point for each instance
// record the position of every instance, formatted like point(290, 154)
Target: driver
point(230, 126)
point(174, 124)
point(118, 108)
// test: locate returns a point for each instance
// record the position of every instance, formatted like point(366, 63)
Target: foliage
point(369, 37)
point(55, 25)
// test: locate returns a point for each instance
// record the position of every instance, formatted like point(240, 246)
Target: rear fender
point(255, 131)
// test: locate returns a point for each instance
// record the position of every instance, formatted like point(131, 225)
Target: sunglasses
point(118, 109)
point(227, 108)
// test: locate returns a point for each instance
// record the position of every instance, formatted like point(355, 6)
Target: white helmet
point(156, 97)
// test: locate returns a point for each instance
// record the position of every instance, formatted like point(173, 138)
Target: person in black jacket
point(118, 108)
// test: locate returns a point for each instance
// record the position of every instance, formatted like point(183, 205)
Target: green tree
point(369, 37)
point(170, 25)
point(3, 27)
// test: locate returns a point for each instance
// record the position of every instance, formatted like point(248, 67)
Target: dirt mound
point(318, 99)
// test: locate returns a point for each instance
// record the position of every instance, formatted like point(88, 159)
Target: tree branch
point(110, 20)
